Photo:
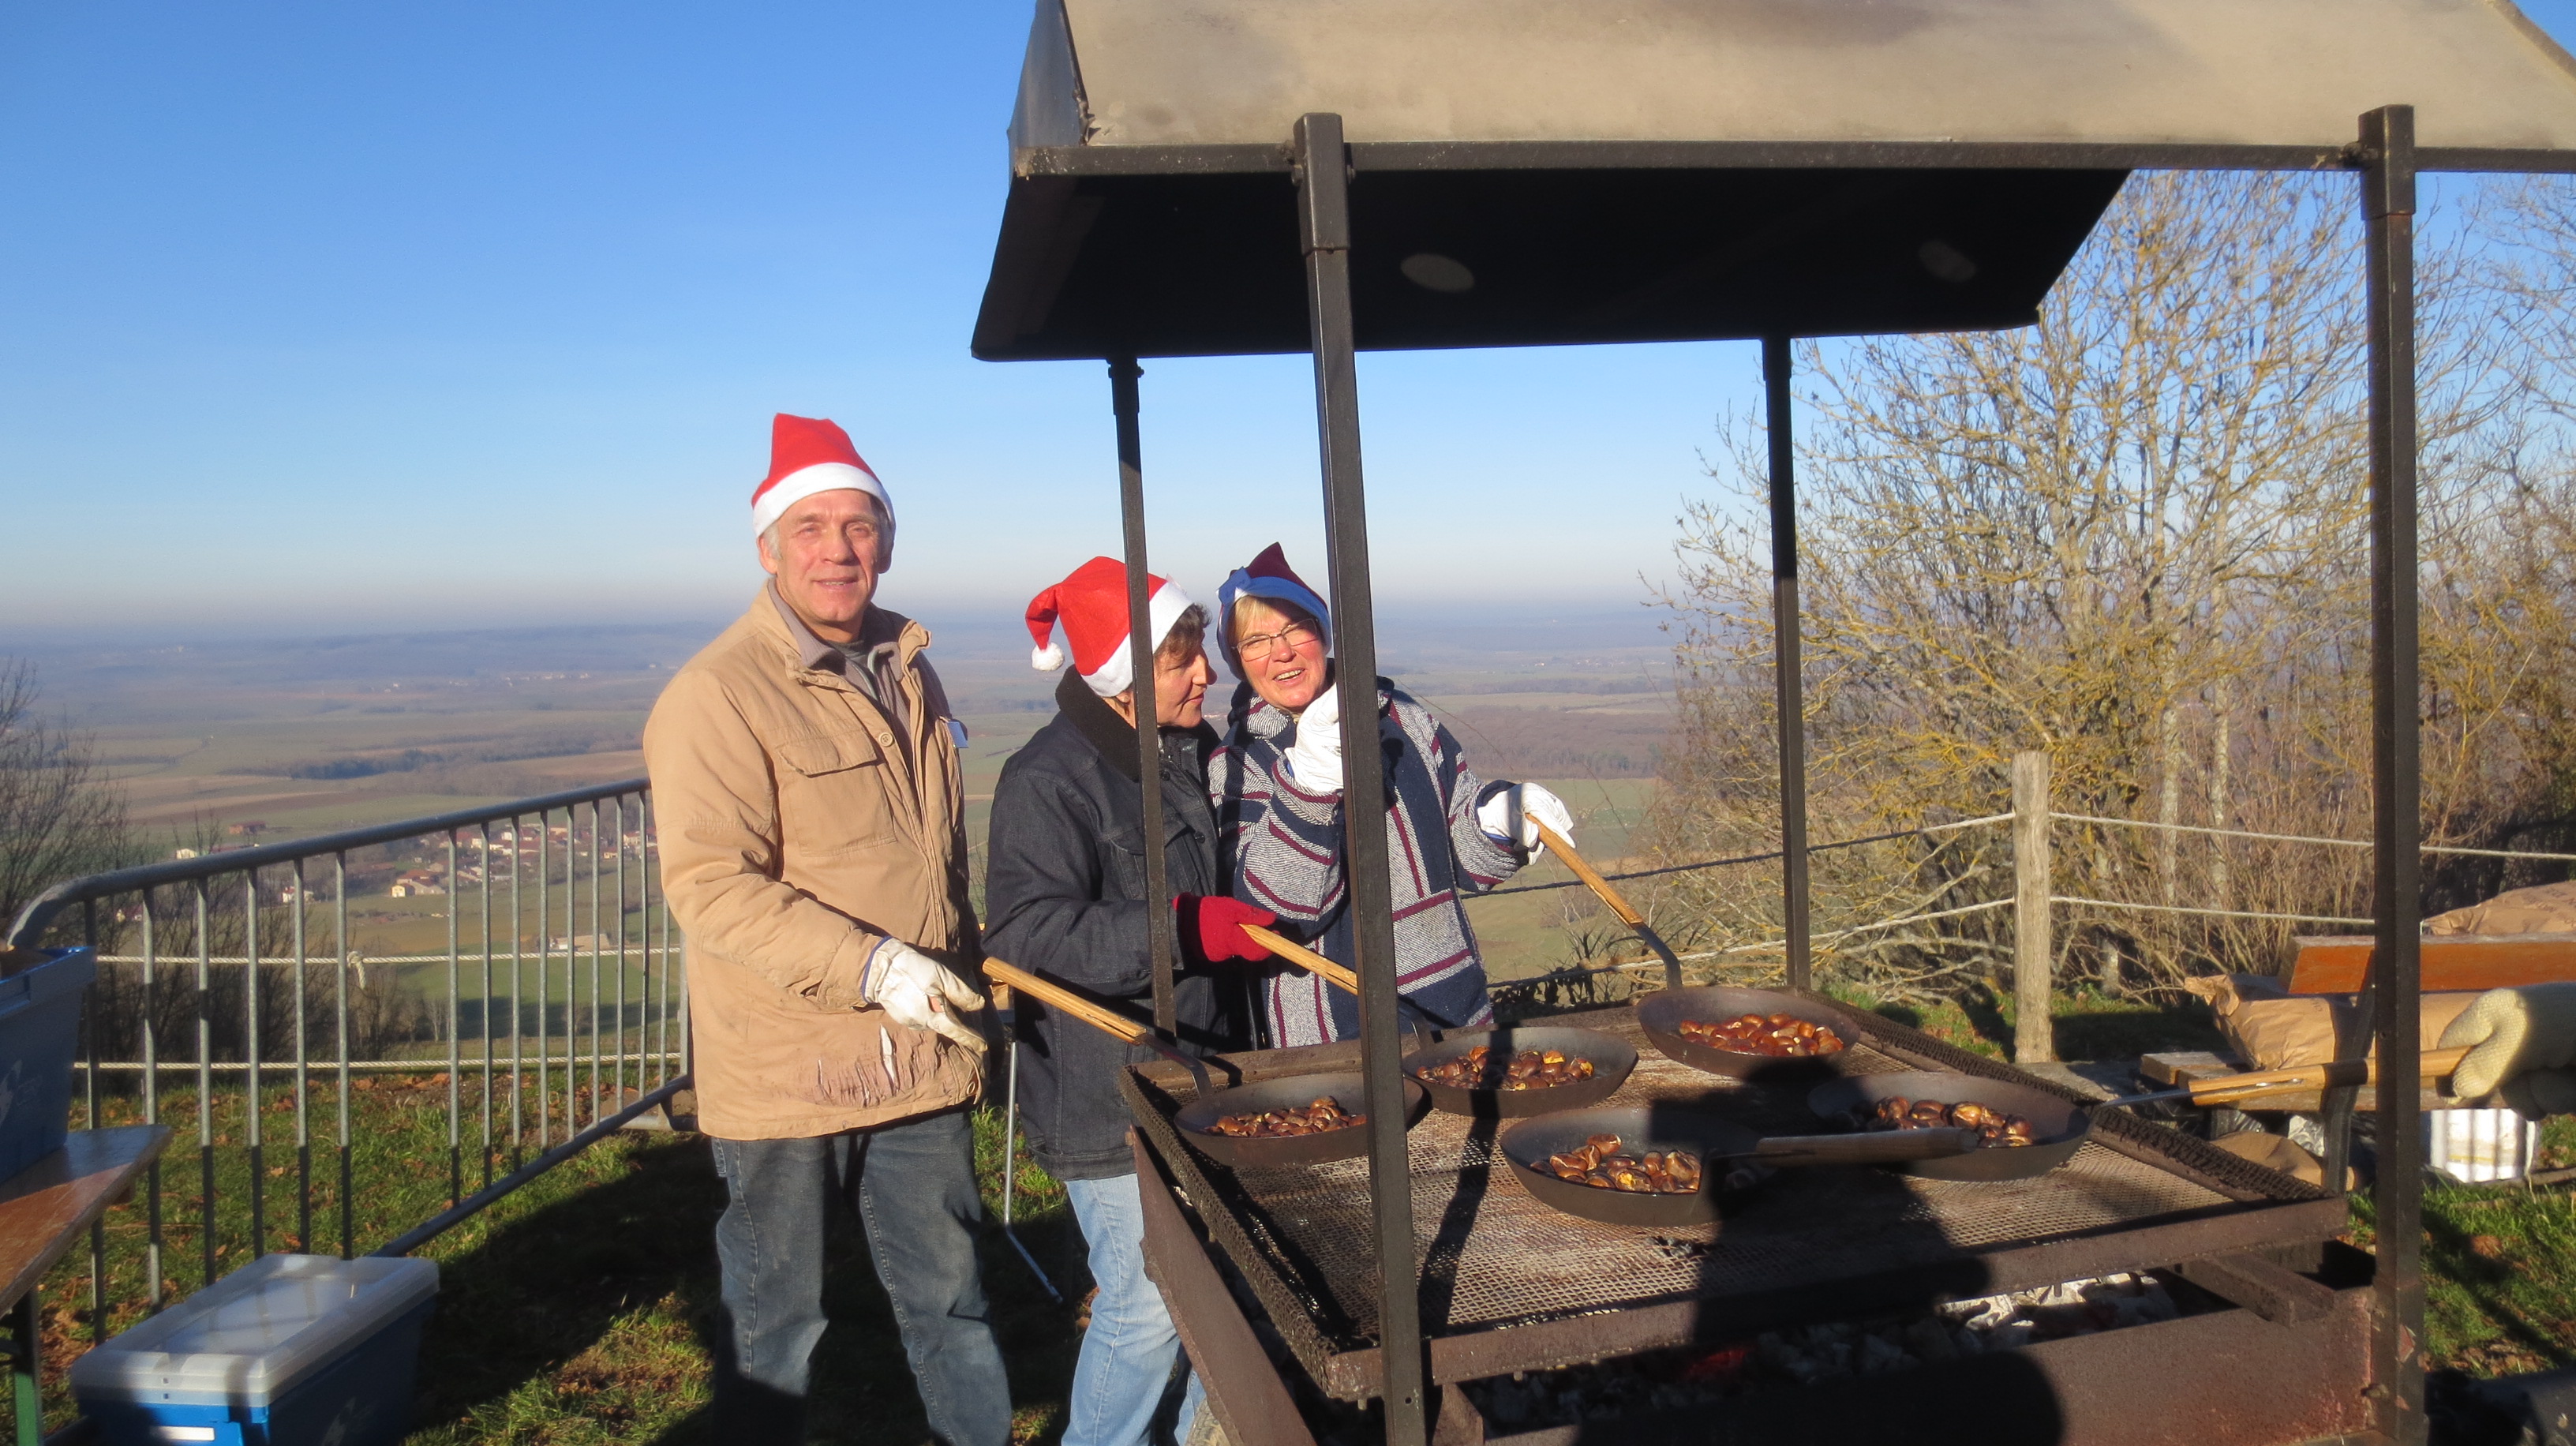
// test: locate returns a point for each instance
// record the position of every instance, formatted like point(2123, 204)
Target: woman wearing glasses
point(1277, 785)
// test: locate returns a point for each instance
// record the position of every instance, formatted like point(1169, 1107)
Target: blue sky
point(316, 317)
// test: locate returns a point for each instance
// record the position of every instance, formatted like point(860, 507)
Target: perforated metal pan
point(2058, 1126)
point(1724, 1149)
point(1293, 1092)
point(1661, 1014)
point(1612, 1060)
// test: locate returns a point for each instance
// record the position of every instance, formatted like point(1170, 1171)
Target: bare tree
point(2134, 535)
point(60, 816)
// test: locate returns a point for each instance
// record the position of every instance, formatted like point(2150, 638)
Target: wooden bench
point(2335, 964)
point(44, 1209)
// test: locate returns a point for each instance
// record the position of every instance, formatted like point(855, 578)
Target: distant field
point(308, 737)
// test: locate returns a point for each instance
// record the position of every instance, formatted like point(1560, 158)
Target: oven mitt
point(2521, 1044)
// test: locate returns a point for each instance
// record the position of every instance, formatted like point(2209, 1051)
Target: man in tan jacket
point(811, 821)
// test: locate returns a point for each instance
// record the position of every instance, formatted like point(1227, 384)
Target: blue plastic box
point(291, 1350)
point(40, 1009)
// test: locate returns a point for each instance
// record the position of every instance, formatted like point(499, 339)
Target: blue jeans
point(913, 1186)
point(1127, 1353)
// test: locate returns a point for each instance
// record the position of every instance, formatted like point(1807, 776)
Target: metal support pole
point(1788, 667)
point(1159, 935)
point(2034, 953)
point(1324, 233)
point(2387, 154)
point(1010, 1153)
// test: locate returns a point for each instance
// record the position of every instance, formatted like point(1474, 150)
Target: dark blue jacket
point(1065, 898)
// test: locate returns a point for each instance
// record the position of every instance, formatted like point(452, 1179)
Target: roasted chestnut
point(1598, 1162)
point(1315, 1119)
point(1993, 1126)
point(1783, 1035)
point(1482, 1069)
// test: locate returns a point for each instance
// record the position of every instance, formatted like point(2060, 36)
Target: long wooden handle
point(1056, 996)
point(1611, 897)
point(1108, 1021)
point(1583, 870)
point(2235, 1088)
point(1303, 957)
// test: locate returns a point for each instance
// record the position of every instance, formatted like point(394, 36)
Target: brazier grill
point(1204, 177)
point(1510, 1284)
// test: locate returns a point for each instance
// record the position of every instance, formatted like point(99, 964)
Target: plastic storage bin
point(40, 1011)
point(292, 1350)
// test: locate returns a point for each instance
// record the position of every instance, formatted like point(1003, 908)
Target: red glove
point(1214, 923)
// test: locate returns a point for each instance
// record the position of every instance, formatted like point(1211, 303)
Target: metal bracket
point(2274, 1292)
point(1323, 212)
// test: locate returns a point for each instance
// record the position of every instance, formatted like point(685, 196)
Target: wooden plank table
point(43, 1210)
point(2182, 1066)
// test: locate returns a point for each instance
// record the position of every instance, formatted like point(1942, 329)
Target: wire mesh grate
point(1492, 1256)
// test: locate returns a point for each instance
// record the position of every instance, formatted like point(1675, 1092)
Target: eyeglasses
point(1290, 638)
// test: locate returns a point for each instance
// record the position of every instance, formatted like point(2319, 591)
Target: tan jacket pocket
point(833, 794)
point(827, 753)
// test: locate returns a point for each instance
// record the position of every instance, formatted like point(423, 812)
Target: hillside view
point(227, 744)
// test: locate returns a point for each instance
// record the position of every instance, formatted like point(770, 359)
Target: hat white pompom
point(1046, 658)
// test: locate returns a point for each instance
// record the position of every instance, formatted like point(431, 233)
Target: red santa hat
point(809, 455)
point(1092, 607)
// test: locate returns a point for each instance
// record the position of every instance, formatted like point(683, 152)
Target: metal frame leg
point(1160, 937)
point(2387, 154)
point(1323, 223)
point(1788, 663)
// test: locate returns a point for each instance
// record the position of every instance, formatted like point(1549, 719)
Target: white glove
point(1315, 759)
point(2522, 1042)
point(919, 992)
point(1536, 806)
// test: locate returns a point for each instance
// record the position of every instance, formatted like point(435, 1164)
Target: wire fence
point(1646, 971)
point(236, 1001)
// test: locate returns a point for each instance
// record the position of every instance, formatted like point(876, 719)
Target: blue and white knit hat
point(1268, 576)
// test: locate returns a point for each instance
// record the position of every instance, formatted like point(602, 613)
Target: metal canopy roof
point(1643, 170)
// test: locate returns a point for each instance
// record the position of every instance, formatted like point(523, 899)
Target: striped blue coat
point(1283, 850)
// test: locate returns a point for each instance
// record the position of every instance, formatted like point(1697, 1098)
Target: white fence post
point(2033, 1038)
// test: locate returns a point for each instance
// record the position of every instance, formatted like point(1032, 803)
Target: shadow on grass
point(520, 1314)
point(2502, 1268)
point(590, 1320)
point(2085, 1026)
point(1905, 1014)
point(2125, 1031)
point(1986, 1015)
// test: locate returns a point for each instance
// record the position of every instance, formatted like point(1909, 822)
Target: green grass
point(2499, 1269)
point(577, 1309)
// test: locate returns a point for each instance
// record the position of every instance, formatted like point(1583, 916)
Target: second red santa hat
point(1091, 606)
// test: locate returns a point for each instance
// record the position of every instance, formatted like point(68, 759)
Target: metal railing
point(236, 986)
point(2030, 874)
